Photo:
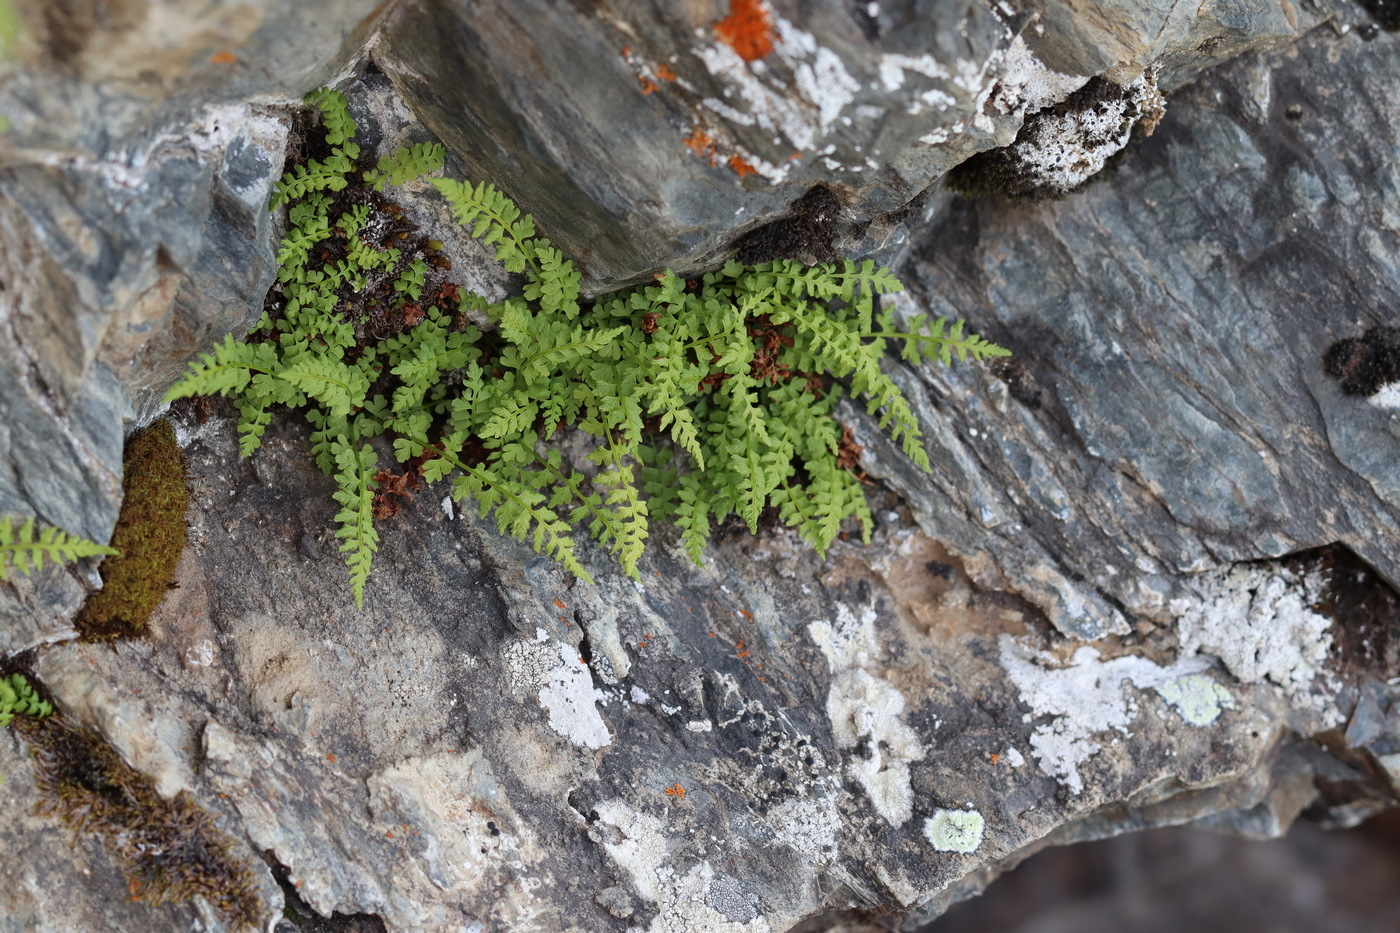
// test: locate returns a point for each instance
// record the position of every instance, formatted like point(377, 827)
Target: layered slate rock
point(140, 145)
point(1062, 634)
point(1168, 408)
point(134, 181)
point(773, 737)
point(653, 134)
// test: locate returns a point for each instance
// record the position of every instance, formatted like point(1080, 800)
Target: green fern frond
point(329, 175)
point(708, 396)
point(556, 285)
point(332, 383)
point(693, 513)
point(23, 550)
point(626, 537)
point(520, 509)
point(404, 165)
point(354, 478)
point(942, 343)
point(335, 115)
point(509, 417)
point(226, 371)
point(660, 481)
point(493, 219)
point(410, 281)
point(19, 698)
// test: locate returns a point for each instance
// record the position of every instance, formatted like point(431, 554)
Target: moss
point(807, 234)
point(169, 850)
point(1364, 364)
point(1386, 13)
point(150, 534)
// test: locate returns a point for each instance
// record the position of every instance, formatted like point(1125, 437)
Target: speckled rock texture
point(739, 747)
point(1076, 627)
point(653, 134)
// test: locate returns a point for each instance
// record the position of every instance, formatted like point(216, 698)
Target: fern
point(335, 114)
point(405, 165)
point(18, 698)
point(698, 399)
point(520, 509)
point(355, 485)
point(936, 344)
point(24, 550)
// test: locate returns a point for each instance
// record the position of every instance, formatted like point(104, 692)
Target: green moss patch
point(169, 850)
point(150, 535)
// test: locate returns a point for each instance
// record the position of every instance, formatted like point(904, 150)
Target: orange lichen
point(223, 58)
point(664, 73)
point(700, 143)
point(740, 167)
point(747, 29)
point(676, 791)
point(648, 85)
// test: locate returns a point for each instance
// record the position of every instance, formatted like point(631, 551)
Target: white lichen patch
point(558, 678)
point(1025, 84)
point(441, 804)
point(1083, 699)
point(955, 830)
point(1388, 396)
point(700, 900)
point(809, 826)
point(1260, 623)
point(1062, 149)
point(866, 713)
point(849, 641)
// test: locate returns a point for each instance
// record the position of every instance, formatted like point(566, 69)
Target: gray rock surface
point(648, 135)
point(1167, 409)
point(772, 738)
point(489, 743)
point(134, 179)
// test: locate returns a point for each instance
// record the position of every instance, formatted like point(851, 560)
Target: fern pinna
point(24, 549)
point(701, 398)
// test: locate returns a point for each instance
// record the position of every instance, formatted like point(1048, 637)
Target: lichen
point(169, 850)
point(150, 535)
point(1197, 699)
point(955, 830)
point(1062, 146)
point(1260, 622)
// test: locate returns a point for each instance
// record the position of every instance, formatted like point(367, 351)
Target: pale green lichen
point(1198, 699)
point(955, 830)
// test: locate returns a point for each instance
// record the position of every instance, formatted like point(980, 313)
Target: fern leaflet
point(24, 550)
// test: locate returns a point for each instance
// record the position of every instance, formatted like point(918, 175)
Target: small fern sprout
point(18, 698)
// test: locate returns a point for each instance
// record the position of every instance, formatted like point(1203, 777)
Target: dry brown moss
point(169, 850)
point(150, 535)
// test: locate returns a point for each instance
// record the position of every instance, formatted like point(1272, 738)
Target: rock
point(134, 179)
point(489, 743)
point(1168, 409)
point(134, 169)
point(733, 112)
point(1031, 652)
